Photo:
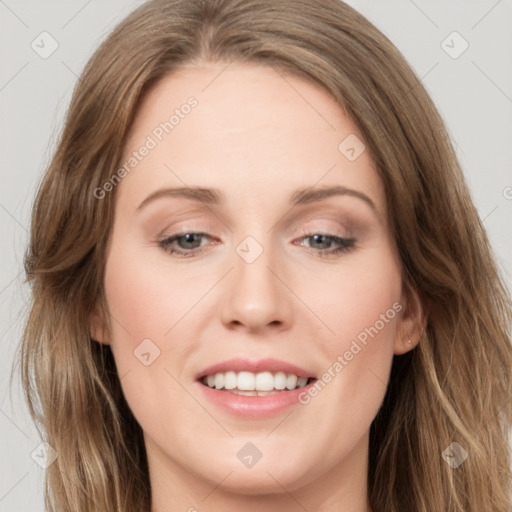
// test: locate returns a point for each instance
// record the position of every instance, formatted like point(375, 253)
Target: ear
point(412, 321)
point(98, 328)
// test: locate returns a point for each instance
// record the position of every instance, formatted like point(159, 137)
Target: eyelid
point(341, 226)
point(347, 217)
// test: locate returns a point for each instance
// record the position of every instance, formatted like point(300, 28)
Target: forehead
point(253, 130)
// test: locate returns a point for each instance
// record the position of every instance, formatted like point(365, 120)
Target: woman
point(336, 337)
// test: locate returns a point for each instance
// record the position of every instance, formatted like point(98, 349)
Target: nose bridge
point(254, 258)
point(255, 296)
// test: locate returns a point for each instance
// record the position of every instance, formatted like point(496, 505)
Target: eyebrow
point(214, 196)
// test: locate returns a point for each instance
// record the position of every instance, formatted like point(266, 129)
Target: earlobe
point(411, 324)
point(98, 327)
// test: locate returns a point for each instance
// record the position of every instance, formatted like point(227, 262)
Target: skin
point(257, 135)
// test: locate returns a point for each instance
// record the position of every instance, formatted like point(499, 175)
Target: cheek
point(361, 300)
point(364, 311)
point(369, 310)
point(147, 298)
point(137, 301)
point(145, 303)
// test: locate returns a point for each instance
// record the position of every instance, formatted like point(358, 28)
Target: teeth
point(291, 381)
point(253, 393)
point(280, 380)
point(230, 380)
point(264, 381)
point(254, 384)
point(245, 381)
point(302, 381)
point(219, 380)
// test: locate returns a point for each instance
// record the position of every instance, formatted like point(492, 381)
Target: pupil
point(189, 238)
point(318, 239)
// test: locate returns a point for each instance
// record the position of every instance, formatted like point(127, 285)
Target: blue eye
point(186, 239)
point(343, 244)
point(188, 244)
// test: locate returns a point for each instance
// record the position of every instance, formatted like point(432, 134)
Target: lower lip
point(254, 406)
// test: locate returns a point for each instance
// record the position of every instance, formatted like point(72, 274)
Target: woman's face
point(272, 289)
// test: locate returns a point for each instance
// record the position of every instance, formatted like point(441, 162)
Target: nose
point(255, 294)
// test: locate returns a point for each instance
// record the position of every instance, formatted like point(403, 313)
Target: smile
point(254, 384)
point(250, 389)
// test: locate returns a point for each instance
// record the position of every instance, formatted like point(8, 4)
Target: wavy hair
point(455, 386)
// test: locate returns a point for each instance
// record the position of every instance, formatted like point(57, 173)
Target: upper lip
point(255, 366)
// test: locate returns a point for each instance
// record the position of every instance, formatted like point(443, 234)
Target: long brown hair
point(455, 386)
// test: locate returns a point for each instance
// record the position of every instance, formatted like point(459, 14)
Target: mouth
point(248, 383)
point(251, 377)
point(254, 389)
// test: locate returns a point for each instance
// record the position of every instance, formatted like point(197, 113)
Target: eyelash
point(346, 244)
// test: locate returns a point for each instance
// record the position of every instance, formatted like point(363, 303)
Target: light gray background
point(473, 93)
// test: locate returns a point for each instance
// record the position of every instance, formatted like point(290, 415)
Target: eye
point(187, 244)
point(341, 245)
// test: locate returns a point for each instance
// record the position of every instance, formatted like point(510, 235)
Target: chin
point(261, 479)
point(275, 470)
